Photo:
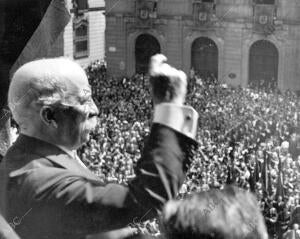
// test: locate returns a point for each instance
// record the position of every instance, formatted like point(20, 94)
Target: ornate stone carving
point(264, 16)
point(204, 13)
point(146, 12)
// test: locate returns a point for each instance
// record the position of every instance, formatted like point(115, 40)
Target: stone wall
point(232, 29)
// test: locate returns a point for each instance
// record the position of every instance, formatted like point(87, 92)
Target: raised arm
point(88, 206)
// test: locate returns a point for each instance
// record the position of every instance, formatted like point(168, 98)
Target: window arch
point(81, 39)
point(205, 57)
point(146, 46)
point(263, 64)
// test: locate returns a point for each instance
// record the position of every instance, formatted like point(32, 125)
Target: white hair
point(37, 83)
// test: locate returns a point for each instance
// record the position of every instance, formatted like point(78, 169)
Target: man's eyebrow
point(85, 94)
point(86, 91)
point(84, 98)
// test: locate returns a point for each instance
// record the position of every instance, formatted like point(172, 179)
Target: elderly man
point(46, 186)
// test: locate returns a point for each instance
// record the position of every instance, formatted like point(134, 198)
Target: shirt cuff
point(183, 119)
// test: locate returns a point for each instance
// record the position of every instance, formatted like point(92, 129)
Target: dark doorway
point(205, 57)
point(263, 65)
point(145, 47)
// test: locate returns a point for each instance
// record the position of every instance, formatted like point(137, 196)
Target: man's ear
point(47, 116)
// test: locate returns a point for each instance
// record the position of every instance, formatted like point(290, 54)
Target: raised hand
point(169, 85)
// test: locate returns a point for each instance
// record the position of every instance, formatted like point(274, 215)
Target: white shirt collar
point(71, 153)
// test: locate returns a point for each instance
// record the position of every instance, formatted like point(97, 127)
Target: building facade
point(84, 39)
point(239, 41)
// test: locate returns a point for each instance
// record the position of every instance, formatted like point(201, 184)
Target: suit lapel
point(66, 161)
point(53, 153)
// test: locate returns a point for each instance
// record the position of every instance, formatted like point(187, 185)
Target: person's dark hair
point(230, 213)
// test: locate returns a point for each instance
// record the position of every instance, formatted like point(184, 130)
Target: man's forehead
point(81, 93)
point(77, 89)
point(78, 83)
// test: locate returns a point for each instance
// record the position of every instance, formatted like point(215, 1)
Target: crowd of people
point(247, 137)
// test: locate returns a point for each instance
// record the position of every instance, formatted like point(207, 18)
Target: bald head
point(44, 82)
point(52, 97)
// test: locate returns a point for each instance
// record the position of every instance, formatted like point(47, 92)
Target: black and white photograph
point(149, 119)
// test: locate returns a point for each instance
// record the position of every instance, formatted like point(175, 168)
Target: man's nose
point(93, 109)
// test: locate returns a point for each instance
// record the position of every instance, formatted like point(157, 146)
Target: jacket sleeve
point(91, 207)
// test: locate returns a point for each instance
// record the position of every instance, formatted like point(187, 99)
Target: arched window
point(81, 39)
point(205, 57)
point(263, 64)
point(145, 46)
point(81, 30)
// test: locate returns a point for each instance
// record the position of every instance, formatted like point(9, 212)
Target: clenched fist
point(169, 85)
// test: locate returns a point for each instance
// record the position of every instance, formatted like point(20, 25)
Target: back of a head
point(230, 213)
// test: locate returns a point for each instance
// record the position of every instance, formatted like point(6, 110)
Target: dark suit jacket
point(50, 195)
